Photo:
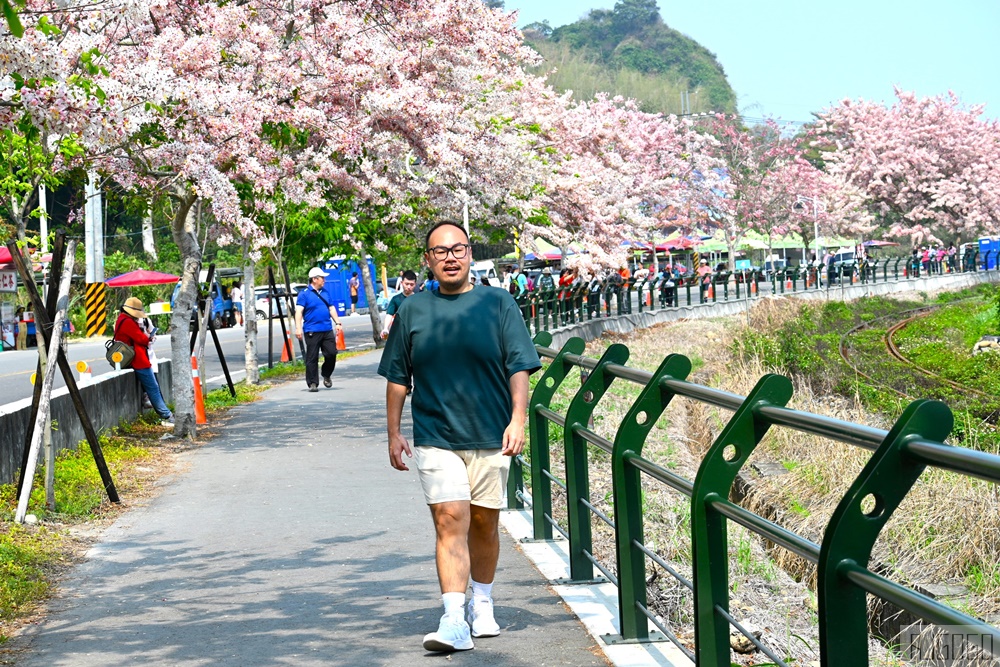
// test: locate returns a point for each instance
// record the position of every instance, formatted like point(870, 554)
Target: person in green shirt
point(408, 285)
point(469, 356)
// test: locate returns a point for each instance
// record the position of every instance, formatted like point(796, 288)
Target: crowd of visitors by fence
point(571, 298)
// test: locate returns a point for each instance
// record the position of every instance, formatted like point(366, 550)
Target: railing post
point(581, 570)
point(855, 525)
point(515, 480)
point(627, 480)
point(709, 544)
point(538, 437)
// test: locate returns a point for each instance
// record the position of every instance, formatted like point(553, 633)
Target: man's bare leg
point(451, 524)
point(484, 543)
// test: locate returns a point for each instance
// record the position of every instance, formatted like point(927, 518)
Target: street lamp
point(817, 206)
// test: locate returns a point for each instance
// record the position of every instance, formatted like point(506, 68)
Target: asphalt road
point(16, 367)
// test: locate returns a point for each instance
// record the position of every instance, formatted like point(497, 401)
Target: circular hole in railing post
point(550, 382)
point(730, 453)
point(872, 505)
point(641, 418)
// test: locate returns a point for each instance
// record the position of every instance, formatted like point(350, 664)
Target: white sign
point(8, 281)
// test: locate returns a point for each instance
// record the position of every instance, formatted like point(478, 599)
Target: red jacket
point(127, 331)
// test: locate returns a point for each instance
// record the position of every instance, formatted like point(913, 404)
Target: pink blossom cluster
point(928, 167)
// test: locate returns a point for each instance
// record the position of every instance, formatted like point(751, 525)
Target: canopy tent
point(878, 244)
point(142, 277)
point(7, 262)
point(545, 252)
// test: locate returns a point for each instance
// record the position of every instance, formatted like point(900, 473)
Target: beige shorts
point(476, 475)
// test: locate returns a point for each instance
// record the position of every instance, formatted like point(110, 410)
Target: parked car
point(265, 307)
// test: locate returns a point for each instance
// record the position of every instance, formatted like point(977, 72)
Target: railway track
point(893, 350)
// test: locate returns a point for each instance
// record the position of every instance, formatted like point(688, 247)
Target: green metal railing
point(898, 458)
point(544, 310)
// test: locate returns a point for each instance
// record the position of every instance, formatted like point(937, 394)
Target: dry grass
point(948, 526)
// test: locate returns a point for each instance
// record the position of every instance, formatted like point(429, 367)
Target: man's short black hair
point(355, 274)
point(433, 229)
point(409, 275)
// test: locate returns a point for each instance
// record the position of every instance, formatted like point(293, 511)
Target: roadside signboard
point(8, 281)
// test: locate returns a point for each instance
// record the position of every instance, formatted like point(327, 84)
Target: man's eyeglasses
point(458, 251)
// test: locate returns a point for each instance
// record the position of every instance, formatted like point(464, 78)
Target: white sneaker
point(480, 614)
point(452, 635)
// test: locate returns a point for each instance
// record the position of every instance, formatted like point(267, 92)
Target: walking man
point(314, 319)
point(469, 356)
point(408, 285)
point(354, 286)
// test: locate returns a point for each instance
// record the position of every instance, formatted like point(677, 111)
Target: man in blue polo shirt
point(314, 321)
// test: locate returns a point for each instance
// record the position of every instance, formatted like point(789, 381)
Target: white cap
point(316, 271)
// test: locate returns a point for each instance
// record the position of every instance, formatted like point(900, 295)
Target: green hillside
point(630, 51)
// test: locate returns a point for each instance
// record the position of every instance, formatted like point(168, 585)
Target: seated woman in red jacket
point(127, 331)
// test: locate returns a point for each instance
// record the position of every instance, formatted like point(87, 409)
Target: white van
point(485, 269)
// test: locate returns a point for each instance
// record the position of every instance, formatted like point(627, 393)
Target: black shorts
point(354, 299)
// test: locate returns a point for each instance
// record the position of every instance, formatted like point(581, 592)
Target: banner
point(8, 281)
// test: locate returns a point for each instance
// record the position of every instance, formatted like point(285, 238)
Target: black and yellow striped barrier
point(97, 309)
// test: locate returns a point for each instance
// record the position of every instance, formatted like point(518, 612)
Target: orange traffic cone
point(709, 293)
point(286, 349)
point(199, 399)
point(753, 287)
point(649, 298)
point(341, 344)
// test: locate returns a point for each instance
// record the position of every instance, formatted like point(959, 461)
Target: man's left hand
point(513, 438)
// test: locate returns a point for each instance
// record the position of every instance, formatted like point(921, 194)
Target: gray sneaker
point(313, 387)
point(327, 382)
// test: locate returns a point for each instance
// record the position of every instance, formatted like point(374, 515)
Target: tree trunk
point(186, 238)
point(148, 242)
point(250, 319)
point(369, 285)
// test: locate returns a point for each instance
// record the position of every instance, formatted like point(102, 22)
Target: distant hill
point(630, 51)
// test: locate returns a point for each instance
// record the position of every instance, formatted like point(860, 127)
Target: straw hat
point(133, 307)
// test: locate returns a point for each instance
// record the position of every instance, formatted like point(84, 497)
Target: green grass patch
point(79, 491)
point(26, 555)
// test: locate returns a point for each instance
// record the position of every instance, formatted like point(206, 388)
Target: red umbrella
point(142, 277)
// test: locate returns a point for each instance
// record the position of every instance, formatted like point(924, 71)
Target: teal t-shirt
point(394, 303)
point(460, 351)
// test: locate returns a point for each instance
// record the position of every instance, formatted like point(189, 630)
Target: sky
point(786, 59)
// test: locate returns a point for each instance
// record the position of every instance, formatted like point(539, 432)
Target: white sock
point(481, 591)
point(454, 604)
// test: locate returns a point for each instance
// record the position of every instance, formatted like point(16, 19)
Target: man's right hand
point(398, 445)
point(298, 334)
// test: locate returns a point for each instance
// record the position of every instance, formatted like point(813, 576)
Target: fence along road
point(899, 456)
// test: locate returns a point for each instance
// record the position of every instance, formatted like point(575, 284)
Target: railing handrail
point(898, 457)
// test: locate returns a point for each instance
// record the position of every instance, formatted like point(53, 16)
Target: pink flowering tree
point(930, 167)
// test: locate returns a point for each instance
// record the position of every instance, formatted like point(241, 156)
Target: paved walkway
point(289, 540)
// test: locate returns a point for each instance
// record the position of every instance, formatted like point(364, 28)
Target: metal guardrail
point(544, 310)
point(899, 456)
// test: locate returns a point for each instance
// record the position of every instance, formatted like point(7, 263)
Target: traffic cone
point(788, 283)
point(286, 349)
point(341, 344)
point(710, 293)
point(199, 399)
point(83, 368)
point(753, 286)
